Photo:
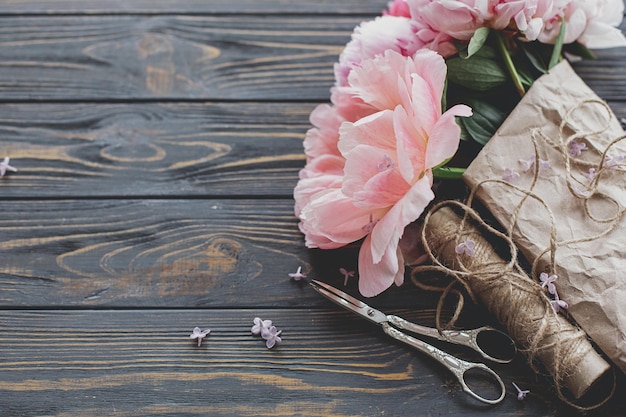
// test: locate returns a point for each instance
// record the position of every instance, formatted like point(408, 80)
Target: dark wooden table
point(158, 143)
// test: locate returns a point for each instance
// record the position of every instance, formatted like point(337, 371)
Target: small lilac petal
point(521, 394)
point(544, 165)
point(273, 338)
point(298, 275)
point(466, 247)
point(547, 281)
point(199, 334)
point(613, 162)
point(558, 304)
point(259, 325)
point(528, 163)
point(580, 192)
point(370, 226)
point(510, 175)
point(4, 167)
point(576, 148)
point(346, 274)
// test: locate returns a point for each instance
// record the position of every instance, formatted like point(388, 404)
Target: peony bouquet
point(419, 90)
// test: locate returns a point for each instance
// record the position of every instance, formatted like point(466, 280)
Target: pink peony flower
point(438, 25)
point(592, 23)
point(456, 18)
point(373, 38)
point(382, 180)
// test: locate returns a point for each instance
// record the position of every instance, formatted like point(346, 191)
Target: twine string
point(518, 301)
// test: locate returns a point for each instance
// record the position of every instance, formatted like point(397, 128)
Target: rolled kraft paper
point(519, 304)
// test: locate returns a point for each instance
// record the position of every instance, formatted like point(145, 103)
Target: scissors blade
point(348, 302)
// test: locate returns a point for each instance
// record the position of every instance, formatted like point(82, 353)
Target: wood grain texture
point(153, 149)
point(182, 149)
point(195, 57)
point(165, 253)
point(135, 363)
point(273, 7)
point(158, 143)
point(170, 57)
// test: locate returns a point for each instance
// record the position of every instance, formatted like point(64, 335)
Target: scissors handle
point(469, 338)
point(457, 366)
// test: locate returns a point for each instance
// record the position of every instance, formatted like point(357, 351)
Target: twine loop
point(497, 279)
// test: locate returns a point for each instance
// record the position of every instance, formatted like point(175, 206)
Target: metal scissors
point(456, 365)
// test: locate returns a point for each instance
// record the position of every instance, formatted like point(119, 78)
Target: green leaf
point(558, 46)
point(534, 55)
point(448, 173)
point(476, 73)
point(476, 42)
point(580, 50)
point(524, 71)
point(484, 122)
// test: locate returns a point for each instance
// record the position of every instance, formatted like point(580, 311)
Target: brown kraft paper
point(579, 234)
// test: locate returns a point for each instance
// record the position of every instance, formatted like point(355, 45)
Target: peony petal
point(411, 145)
point(323, 165)
point(333, 215)
point(371, 178)
point(375, 130)
point(445, 136)
point(600, 35)
point(372, 38)
point(374, 278)
point(390, 228)
point(431, 67)
point(308, 187)
point(376, 82)
point(323, 138)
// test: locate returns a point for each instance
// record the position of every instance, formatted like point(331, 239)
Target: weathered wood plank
point(274, 7)
point(165, 253)
point(153, 149)
point(131, 363)
point(156, 149)
point(174, 57)
point(195, 57)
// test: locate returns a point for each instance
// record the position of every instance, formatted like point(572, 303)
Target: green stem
point(508, 62)
point(448, 173)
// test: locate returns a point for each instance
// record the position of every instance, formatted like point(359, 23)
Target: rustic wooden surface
point(158, 143)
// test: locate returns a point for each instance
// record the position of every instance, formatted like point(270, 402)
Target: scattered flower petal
point(580, 192)
point(386, 164)
point(521, 394)
point(528, 163)
point(576, 148)
point(370, 226)
point(298, 275)
point(548, 281)
point(510, 175)
point(199, 334)
point(272, 337)
point(466, 247)
point(346, 274)
point(4, 167)
point(558, 304)
point(544, 165)
point(591, 174)
point(612, 162)
point(259, 325)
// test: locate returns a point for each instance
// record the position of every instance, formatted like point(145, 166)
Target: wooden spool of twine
point(518, 302)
